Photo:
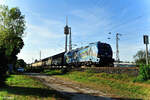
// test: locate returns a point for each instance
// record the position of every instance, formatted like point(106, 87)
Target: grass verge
point(21, 87)
point(52, 72)
point(117, 85)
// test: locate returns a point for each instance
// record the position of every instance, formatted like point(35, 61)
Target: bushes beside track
point(118, 85)
point(52, 72)
point(144, 73)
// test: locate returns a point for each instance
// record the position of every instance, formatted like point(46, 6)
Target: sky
point(90, 20)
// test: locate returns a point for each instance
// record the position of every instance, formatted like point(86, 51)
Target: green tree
point(140, 57)
point(12, 26)
point(20, 63)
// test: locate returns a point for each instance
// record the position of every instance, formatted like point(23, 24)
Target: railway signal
point(146, 42)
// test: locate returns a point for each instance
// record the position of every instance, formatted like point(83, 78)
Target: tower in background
point(67, 30)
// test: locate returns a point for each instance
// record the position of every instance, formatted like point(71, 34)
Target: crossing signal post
point(146, 42)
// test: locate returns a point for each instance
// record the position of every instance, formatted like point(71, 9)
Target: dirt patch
point(68, 88)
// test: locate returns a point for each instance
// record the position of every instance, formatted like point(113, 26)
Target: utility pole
point(146, 54)
point(32, 60)
point(40, 54)
point(146, 42)
point(70, 42)
point(117, 47)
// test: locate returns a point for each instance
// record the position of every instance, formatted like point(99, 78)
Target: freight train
point(97, 54)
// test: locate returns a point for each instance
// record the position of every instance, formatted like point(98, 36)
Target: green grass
point(21, 87)
point(52, 72)
point(120, 85)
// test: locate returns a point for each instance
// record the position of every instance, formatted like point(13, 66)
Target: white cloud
point(128, 51)
point(46, 36)
point(43, 32)
point(30, 56)
point(2, 2)
point(93, 19)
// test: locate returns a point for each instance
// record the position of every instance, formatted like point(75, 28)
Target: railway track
point(133, 71)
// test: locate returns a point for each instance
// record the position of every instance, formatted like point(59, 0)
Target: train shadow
point(44, 93)
point(35, 92)
point(42, 74)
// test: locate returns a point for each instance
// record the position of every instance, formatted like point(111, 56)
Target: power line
point(121, 24)
point(126, 22)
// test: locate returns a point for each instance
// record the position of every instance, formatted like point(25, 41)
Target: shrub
point(89, 71)
point(144, 73)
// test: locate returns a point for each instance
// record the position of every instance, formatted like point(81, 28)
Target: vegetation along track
point(133, 71)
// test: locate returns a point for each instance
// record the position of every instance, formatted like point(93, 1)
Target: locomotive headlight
point(98, 55)
point(98, 59)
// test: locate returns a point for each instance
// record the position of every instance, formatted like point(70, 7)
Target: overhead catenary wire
point(99, 4)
